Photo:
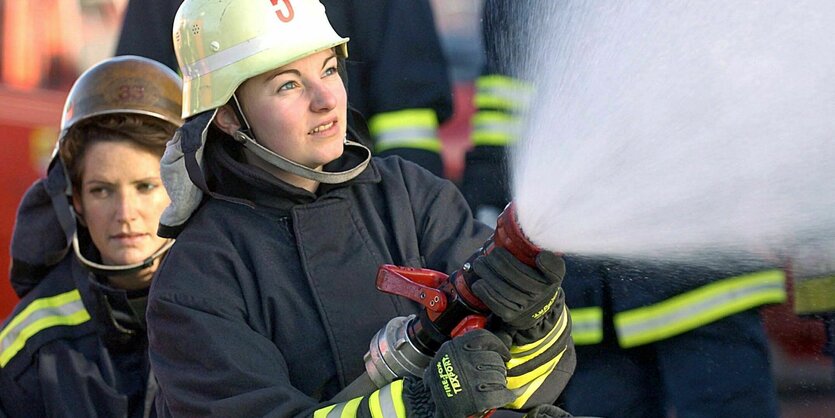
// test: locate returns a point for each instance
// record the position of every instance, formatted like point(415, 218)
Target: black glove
point(467, 376)
point(515, 292)
point(547, 411)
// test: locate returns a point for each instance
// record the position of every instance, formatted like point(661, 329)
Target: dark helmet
point(124, 84)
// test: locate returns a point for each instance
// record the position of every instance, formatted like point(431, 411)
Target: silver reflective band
point(513, 95)
point(65, 309)
point(229, 56)
point(405, 134)
point(387, 402)
point(637, 327)
point(507, 128)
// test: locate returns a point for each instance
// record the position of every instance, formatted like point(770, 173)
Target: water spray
point(668, 130)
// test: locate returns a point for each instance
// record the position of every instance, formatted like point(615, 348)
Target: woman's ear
point(78, 208)
point(226, 120)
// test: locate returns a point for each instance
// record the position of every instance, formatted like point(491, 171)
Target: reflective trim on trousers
point(502, 92)
point(491, 127)
point(699, 307)
point(587, 325)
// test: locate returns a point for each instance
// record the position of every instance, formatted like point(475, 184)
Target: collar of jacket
point(228, 178)
point(120, 328)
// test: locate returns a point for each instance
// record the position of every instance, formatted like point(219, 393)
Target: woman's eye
point(287, 86)
point(331, 71)
point(146, 187)
point(99, 192)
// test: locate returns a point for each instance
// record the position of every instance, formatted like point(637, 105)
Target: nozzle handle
point(509, 235)
point(419, 285)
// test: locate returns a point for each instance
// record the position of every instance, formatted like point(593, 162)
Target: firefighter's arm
point(539, 369)
point(465, 377)
point(529, 309)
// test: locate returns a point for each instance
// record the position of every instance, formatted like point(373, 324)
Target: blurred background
point(46, 44)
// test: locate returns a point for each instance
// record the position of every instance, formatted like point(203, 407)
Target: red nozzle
point(419, 285)
point(509, 236)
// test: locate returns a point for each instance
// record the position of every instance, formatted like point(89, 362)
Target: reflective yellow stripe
point(587, 325)
point(350, 409)
point(522, 354)
point(323, 413)
point(388, 401)
point(516, 349)
point(524, 386)
point(502, 93)
point(374, 405)
point(495, 128)
point(64, 309)
point(340, 410)
point(409, 128)
point(516, 382)
point(397, 398)
point(814, 295)
point(699, 307)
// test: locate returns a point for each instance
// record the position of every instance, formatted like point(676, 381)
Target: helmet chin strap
point(245, 137)
point(118, 270)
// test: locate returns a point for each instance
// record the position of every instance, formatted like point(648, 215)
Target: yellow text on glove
point(449, 379)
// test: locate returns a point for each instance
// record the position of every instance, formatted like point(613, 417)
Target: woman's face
point(299, 110)
point(121, 200)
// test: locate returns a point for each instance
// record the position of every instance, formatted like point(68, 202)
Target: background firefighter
point(266, 303)
point(76, 344)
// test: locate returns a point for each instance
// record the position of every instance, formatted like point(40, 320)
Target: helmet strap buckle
point(240, 136)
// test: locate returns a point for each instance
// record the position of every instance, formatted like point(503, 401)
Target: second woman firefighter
point(85, 248)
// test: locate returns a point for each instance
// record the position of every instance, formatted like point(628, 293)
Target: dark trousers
point(719, 370)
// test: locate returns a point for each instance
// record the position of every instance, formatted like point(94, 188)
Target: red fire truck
point(28, 128)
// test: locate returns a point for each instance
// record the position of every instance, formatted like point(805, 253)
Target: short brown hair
point(147, 132)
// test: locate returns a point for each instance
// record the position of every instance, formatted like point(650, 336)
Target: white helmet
point(222, 43)
point(217, 52)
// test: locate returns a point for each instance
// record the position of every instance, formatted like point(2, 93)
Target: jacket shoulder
point(392, 163)
point(52, 310)
point(414, 176)
point(217, 222)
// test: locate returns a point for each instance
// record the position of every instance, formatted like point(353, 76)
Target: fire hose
point(406, 345)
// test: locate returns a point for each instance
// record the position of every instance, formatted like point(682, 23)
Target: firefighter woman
point(85, 247)
point(266, 304)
